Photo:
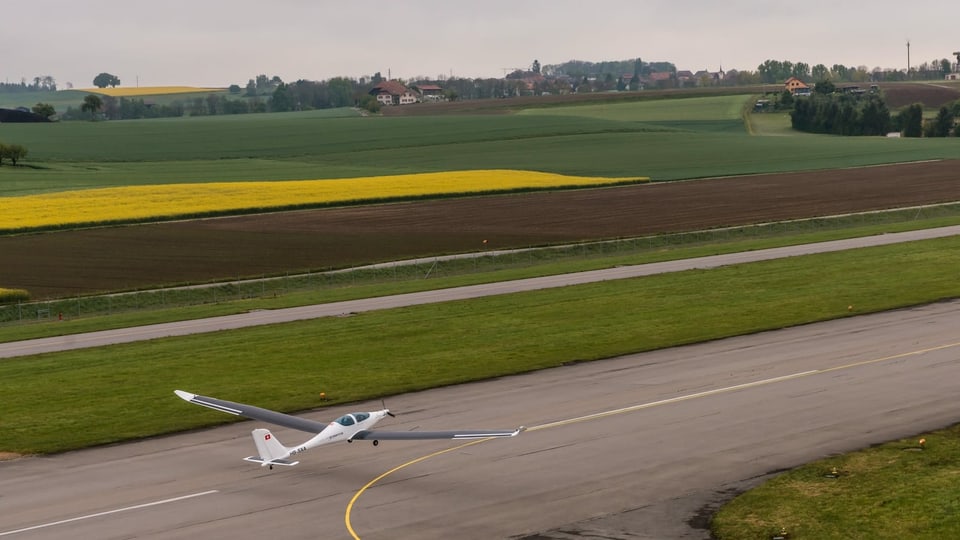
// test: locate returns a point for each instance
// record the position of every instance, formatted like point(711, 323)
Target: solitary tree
point(16, 152)
point(635, 80)
point(824, 87)
point(942, 124)
point(370, 103)
point(45, 110)
point(92, 104)
point(281, 102)
point(786, 100)
point(820, 72)
point(104, 80)
point(251, 88)
point(13, 152)
point(945, 66)
point(911, 120)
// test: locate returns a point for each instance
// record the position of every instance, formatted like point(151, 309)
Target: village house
point(660, 79)
point(705, 78)
point(393, 93)
point(429, 92)
point(796, 87)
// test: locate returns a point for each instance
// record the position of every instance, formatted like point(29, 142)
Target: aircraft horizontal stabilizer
point(258, 459)
point(271, 451)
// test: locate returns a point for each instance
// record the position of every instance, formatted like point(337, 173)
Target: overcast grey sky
point(222, 42)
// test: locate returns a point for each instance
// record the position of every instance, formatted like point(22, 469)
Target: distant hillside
point(60, 99)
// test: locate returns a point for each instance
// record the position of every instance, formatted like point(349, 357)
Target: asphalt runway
point(631, 447)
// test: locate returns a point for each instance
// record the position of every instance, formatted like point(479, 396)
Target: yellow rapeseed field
point(145, 203)
point(149, 90)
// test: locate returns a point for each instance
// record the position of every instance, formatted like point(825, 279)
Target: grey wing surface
point(366, 435)
point(249, 411)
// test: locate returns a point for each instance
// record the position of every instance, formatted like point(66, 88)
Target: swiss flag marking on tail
point(266, 437)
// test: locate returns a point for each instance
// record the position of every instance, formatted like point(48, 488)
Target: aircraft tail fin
point(271, 451)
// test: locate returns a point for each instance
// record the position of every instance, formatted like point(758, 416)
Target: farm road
point(255, 318)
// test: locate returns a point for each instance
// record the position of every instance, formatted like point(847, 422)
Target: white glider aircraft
point(349, 427)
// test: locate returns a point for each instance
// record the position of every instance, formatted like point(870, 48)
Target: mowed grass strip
point(894, 490)
point(57, 402)
point(144, 203)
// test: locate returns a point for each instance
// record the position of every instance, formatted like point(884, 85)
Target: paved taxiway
point(670, 429)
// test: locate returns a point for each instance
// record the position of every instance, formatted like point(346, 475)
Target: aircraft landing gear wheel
point(375, 443)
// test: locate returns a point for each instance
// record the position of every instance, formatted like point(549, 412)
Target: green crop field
point(696, 108)
point(666, 139)
point(60, 99)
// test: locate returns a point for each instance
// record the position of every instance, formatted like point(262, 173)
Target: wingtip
point(186, 396)
point(520, 430)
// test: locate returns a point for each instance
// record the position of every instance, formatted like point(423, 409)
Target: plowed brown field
point(87, 261)
point(931, 95)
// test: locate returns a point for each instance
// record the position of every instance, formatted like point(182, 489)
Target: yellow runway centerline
point(346, 517)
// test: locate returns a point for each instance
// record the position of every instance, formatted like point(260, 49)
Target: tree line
point(827, 111)
point(910, 121)
point(124, 108)
point(776, 71)
point(841, 114)
point(46, 83)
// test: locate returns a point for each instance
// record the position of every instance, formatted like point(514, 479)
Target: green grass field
point(718, 114)
point(60, 99)
point(893, 490)
point(666, 139)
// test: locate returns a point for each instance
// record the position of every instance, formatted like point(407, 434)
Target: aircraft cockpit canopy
point(351, 419)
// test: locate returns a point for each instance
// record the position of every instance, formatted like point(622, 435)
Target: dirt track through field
point(81, 262)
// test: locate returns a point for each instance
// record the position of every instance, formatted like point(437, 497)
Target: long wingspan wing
point(249, 411)
point(366, 435)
